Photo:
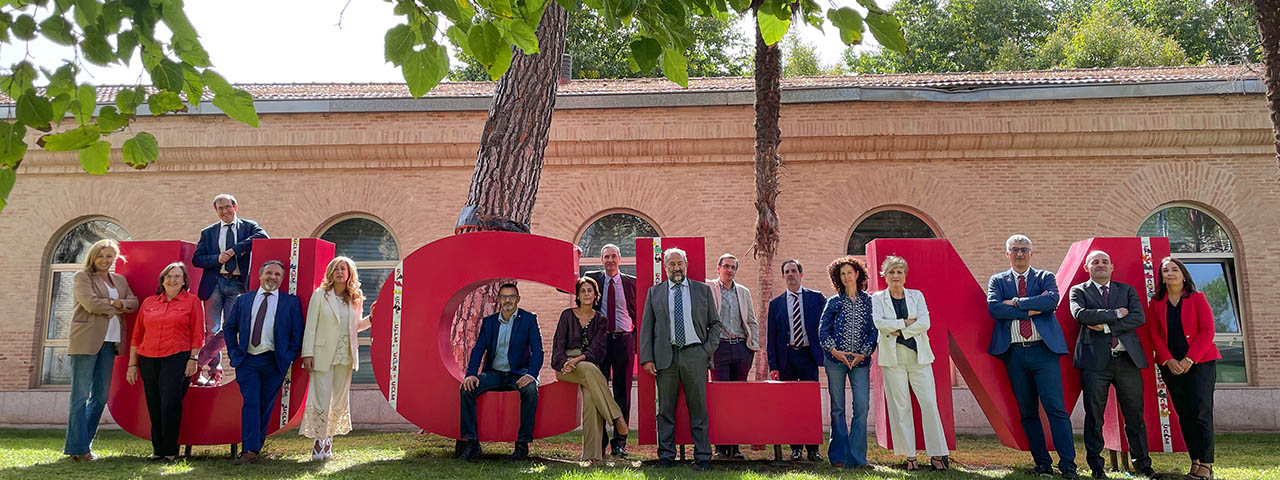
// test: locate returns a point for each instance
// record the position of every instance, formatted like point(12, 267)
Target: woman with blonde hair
point(331, 353)
point(101, 298)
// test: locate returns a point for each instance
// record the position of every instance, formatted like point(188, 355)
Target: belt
point(734, 340)
point(1118, 353)
point(618, 334)
point(229, 275)
point(798, 347)
point(691, 345)
point(1026, 344)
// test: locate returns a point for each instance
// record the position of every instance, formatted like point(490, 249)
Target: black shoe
point(521, 452)
point(619, 450)
point(1044, 471)
point(459, 446)
point(470, 451)
point(665, 463)
point(1070, 475)
point(796, 455)
point(814, 456)
point(1099, 473)
point(736, 453)
point(702, 465)
point(1149, 473)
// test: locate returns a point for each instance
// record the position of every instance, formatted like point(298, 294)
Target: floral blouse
point(846, 326)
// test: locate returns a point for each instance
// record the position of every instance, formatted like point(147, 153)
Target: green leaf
point(13, 145)
point(141, 150)
point(485, 42)
point(675, 68)
point(458, 37)
point(192, 87)
point(86, 100)
point(398, 43)
point(63, 80)
point(112, 13)
point(61, 104)
point(645, 52)
point(69, 140)
point(522, 35)
point(126, 42)
point(849, 21)
point(20, 80)
point(97, 50)
point(58, 29)
point(774, 21)
point(167, 76)
point(887, 31)
point(128, 100)
point(740, 6)
point(237, 104)
point(191, 52)
point(24, 27)
point(501, 62)
point(96, 157)
point(164, 101)
point(152, 53)
point(173, 16)
point(109, 120)
point(34, 110)
point(7, 179)
point(215, 82)
point(88, 12)
point(424, 69)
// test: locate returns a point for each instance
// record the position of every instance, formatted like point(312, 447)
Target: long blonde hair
point(89, 265)
point(353, 295)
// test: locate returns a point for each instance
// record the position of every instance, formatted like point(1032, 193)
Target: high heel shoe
point(317, 450)
point(911, 465)
point(1203, 472)
point(940, 463)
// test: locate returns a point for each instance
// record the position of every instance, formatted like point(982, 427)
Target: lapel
point(99, 288)
point(663, 308)
point(335, 304)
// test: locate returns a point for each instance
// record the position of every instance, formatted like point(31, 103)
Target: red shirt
point(165, 327)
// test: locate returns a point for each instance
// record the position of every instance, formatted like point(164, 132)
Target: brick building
point(1058, 155)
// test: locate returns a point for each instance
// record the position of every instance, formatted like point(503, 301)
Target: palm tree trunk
point(1269, 28)
point(768, 105)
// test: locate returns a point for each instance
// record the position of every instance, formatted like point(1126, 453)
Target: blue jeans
point(218, 305)
point(848, 442)
point(90, 385)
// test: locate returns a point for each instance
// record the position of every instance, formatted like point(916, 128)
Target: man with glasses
point(223, 252)
point(739, 332)
point(618, 304)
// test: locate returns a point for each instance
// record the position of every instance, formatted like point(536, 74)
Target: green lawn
point(37, 454)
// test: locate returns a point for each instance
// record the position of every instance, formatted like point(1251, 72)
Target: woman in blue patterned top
point(848, 336)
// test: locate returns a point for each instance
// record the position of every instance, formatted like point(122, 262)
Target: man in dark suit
point(264, 335)
point(1027, 338)
point(678, 334)
point(223, 252)
point(618, 305)
point(792, 342)
point(509, 346)
point(1109, 352)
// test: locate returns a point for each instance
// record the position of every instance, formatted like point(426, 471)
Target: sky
point(304, 41)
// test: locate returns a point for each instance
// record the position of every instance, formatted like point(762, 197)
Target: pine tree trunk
point(768, 70)
point(509, 162)
point(1269, 29)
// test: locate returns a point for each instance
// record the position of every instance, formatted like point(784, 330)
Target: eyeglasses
point(1020, 250)
point(730, 267)
point(508, 297)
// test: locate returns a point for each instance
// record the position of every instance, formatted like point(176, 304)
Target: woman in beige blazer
point(905, 359)
point(97, 327)
point(330, 351)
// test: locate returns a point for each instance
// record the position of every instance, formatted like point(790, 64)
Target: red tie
point(256, 339)
point(1024, 325)
point(1106, 303)
point(612, 305)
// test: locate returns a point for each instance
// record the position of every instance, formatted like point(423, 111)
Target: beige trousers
point(902, 423)
point(598, 406)
point(328, 410)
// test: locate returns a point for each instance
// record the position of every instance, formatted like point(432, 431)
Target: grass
point(384, 456)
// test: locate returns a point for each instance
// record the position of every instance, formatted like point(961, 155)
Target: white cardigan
point(886, 320)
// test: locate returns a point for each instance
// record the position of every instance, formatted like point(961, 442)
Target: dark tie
point(797, 324)
point(612, 305)
point(1106, 303)
point(256, 339)
point(227, 243)
point(678, 315)
point(1024, 325)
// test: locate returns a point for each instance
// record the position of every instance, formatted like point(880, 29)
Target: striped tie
point(797, 323)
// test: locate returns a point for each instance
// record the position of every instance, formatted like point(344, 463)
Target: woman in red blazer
point(1181, 326)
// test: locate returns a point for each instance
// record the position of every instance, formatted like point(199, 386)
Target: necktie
point(678, 315)
point(1106, 303)
point(1024, 325)
point(612, 306)
point(227, 243)
point(797, 324)
point(261, 318)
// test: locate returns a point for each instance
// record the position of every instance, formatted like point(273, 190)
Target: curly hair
point(577, 288)
point(353, 295)
point(834, 271)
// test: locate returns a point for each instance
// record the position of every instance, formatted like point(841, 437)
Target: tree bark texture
point(509, 161)
point(768, 105)
point(1269, 29)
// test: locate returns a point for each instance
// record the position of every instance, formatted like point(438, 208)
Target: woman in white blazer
point(905, 359)
point(330, 352)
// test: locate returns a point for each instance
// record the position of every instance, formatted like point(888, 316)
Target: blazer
point(207, 251)
point(287, 333)
point(746, 310)
point(569, 333)
point(628, 291)
point(1042, 296)
point(777, 343)
point(321, 334)
point(93, 310)
point(1197, 325)
point(655, 328)
point(886, 321)
point(1093, 348)
point(524, 353)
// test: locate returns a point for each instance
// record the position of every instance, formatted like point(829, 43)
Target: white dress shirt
point(233, 267)
point(1016, 329)
point(268, 324)
point(690, 337)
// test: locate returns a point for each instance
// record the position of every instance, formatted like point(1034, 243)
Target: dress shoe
point(619, 450)
point(1149, 473)
point(1099, 473)
point(814, 456)
point(1044, 471)
point(459, 446)
point(702, 465)
point(796, 455)
point(470, 451)
point(521, 452)
point(665, 463)
point(85, 457)
point(247, 457)
point(1070, 475)
point(736, 453)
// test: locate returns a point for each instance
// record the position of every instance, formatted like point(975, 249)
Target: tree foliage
point(1103, 38)
point(801, 59)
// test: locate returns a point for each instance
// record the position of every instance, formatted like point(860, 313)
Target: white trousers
point(898, 401)
point(328, 410)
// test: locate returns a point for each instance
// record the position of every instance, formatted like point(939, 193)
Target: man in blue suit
point(264, 336)
point(509, 347)
point(1027, 337)
point(223, 253)
point(792, 346)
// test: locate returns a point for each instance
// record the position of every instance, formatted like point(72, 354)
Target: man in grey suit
point(678, 333)
point(1109, 352)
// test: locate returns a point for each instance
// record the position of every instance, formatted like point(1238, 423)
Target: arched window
point(887, 224)
point(618, 228)
point(370, 243)
point(67, 258)
point(1200, 241)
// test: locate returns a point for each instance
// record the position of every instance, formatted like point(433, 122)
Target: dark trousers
point(495, 381)
point(164, 382)
point(800, 365)
point(1192, 396)
point(619, 357)
point(1095, 385)
point(259, 379)
point(1036, 378)
point(688, 371)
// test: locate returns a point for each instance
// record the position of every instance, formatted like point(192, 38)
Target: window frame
point(365, 341)
point(915, 212)
point(592, 259)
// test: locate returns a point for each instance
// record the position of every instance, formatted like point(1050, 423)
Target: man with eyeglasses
point(1027, 338)
point(223, 252)
point(740, 332)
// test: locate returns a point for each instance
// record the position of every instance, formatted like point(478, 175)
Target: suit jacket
point(628, 291)
point(778, 342)
point(524, 353)
point(321, 335)
point(1093, 348)
point(886, 320)
point(287, 332)
point(94, 310)
point(655, 328)
point(1197, 326)
point(746, 310)
point(1042, 296)
point(208, 249)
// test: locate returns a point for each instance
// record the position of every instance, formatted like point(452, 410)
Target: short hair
point(722, 257)
point(1094, 253)
point(666, 254)
point(89, 265)
point(577, 287)
point(224, 196)
point(186, 279)
point(799, 268)
point(891, 262)
point(1016, 238)
point(834, 271)
point(272, 262)
point(608, 246)
point(1188, 286)
point(512, 285)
